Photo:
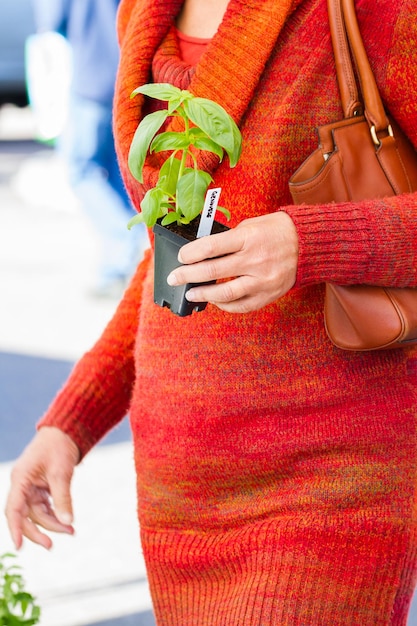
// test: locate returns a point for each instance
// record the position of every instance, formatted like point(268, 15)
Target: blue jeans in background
point(88, 148)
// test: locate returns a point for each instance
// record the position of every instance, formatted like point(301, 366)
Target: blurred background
point(49, 315)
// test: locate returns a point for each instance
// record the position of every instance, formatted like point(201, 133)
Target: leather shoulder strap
point(351, 104)
point(400, 166)
point(348, 50)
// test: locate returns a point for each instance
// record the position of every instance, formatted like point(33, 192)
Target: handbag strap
point(347, 46)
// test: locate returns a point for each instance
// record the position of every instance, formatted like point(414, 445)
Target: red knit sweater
point(276, 473)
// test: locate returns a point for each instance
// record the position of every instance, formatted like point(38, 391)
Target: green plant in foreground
point(17, 606)
point(180, 190)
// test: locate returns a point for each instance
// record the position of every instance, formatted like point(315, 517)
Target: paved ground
point(47, 320)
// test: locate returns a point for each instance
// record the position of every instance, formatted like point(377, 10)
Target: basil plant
point(17, 606)
point(180, 190)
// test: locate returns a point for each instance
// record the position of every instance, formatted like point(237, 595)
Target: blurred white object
point(48, 72)
point(16, 123)
point(41, 181)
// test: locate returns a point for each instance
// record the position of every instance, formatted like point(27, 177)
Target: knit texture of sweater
point(276, 474)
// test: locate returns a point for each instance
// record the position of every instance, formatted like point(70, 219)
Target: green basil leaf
point(166, 207)
point(168, 175)
point(136, 219)
point(191, 191)
point(234, 156)
point(159, 91)
point(225, 212)
point(217, 124)
point(176, 102)
point(200, 140)
point(142, 138)
point(151, 206)
point(170, 141)
point(171, 217)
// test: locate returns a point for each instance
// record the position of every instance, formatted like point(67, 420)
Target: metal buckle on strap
point(375, 137)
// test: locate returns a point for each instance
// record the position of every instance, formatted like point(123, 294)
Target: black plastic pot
point(168, 241)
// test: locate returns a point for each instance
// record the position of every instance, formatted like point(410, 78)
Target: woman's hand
point(40, 488)
point(259, 257)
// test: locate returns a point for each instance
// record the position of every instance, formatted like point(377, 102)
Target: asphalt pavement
point(48, 319)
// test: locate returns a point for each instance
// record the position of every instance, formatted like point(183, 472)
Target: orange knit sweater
point(276, 473)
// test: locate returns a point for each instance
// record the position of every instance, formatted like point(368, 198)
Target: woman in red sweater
point(276, 473)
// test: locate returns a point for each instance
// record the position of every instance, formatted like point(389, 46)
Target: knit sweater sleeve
point(371, 242)
point(97, 394)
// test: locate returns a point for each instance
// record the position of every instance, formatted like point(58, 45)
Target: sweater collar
point(229, 69)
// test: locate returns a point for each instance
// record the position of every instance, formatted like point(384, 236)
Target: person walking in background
point(87, 142)
point(276, 473)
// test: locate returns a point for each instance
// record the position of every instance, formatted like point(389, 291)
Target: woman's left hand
point(259, 257)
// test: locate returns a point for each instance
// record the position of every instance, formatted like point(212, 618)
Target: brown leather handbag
point(363, 156)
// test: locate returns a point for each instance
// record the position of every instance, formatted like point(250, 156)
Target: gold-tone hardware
point(374, 135)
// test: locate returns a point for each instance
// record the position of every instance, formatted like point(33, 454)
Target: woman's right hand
point(40, 488)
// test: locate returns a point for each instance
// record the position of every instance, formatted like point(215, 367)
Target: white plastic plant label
point(209, 210)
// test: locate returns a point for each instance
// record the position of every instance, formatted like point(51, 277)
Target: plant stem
point(183, 158)
point(184, 152)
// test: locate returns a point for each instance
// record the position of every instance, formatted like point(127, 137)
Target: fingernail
point(65, 518)
point(190, 295)
point(17, 543)
point(172, 280)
